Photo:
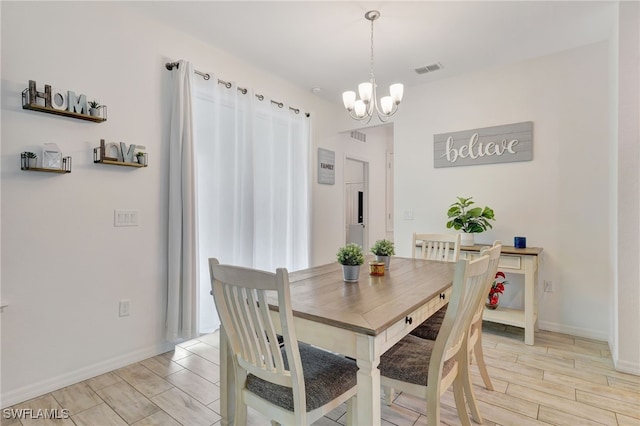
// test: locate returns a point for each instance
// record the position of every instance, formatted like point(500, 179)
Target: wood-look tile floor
point(562, 380)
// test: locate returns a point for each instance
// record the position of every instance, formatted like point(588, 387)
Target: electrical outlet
point(408, 215)
point(548, 287)
point(124, 308)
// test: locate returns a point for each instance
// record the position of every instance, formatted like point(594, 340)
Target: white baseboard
point(34, 390)
point(628, 367)
point(574, 331)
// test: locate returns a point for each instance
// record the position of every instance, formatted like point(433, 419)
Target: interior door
point(355, 202)
point(355, 214)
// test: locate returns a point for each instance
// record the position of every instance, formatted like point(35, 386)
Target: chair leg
point(350, 420)
point(482, 367)
point(240, 406)
point(241, 412)
point(463, 383)
point(388, 394)
point(458, 395)
point(433, 402)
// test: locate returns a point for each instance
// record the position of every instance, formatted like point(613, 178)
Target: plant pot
point(32, 163)
point(142, 159)
point(385, 259)
point(94, 112)
point(492, 306)
point(350, 273)
point(466, 239)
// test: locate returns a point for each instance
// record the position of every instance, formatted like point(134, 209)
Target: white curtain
point(182, 273)
point(281, 217)
point(253, 184)
point(238, 191)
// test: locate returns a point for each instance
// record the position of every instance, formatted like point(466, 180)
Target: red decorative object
point(497, 288)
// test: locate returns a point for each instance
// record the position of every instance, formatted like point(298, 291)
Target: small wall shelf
point(24, 165)
point(119, 163)
point(27, 103)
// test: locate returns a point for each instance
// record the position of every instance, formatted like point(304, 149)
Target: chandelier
point(363, 108)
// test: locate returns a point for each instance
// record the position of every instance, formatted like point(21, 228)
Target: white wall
point(625, 95)
point(559, 201)
point(64, 266)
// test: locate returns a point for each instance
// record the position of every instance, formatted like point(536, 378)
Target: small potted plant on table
point(350, 257)
point(383, 250)
point(468, 220)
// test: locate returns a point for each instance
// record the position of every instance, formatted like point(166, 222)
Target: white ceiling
point(327, 44)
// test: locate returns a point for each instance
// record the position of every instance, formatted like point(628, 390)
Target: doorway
point(356, 201)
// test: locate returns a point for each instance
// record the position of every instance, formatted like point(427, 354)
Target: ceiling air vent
point(358, 136)
point(429, 68)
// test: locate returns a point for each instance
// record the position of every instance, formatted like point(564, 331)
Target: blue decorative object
point(520, 242)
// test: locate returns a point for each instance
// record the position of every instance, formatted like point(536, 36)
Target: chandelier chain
point(372, 76)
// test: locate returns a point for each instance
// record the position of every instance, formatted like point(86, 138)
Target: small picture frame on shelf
point(51, 156)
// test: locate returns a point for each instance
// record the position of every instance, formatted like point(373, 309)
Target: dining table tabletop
point(359, 319)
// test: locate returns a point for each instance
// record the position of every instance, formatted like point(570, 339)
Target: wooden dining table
point(360, 320)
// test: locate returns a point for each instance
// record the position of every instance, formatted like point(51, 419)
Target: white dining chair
point(426, 368)
point(444, 247)
point(294, 385)
point(429, 329)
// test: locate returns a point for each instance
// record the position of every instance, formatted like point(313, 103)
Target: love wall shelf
point(30, 97)
point(100, 157)
point(24, 165)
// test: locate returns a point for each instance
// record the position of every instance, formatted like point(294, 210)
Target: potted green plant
point(32, 159)
point(350, 257)
point(94, 108)
point(468, 220)
point(141, 157)
point(383, 250)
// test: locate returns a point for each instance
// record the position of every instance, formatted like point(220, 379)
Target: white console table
point(516, 261)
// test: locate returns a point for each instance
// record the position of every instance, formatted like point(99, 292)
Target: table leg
point(367, 412)
point(227, 381)
point(530, 283)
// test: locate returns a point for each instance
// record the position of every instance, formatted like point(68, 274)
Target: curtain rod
point(260, 97)
point(206, 76)
point(172, 65)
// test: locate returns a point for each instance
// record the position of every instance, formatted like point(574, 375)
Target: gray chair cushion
point(326, 376)
point(408, 361)
point(430, 328)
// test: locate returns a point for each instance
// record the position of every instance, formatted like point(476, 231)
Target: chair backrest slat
point(494, 259)
point(272, 349)
point(444, 247)
point(240, 298)
point(468, 289)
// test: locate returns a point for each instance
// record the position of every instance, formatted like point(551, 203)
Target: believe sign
point(498, 144)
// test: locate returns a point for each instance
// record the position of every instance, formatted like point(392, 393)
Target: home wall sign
point(61, 102)
point(488, 145)
point(326, 166)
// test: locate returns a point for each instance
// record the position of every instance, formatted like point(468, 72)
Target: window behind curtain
point(252, 183)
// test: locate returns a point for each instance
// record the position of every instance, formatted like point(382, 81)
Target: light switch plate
point(126, 217)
